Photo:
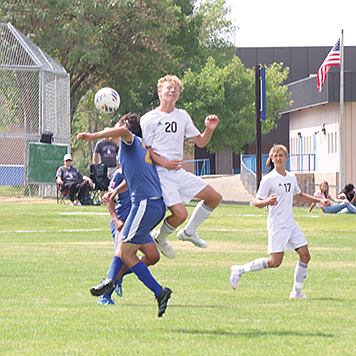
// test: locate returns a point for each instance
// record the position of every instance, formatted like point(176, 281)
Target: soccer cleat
point(194, 239)
point(105, 301)
point(118, 287)
point(164, 247)
point(162, 300)
point(102, 288)
point(293, 295)
point(235, 274)
point(71, 204)
point(78, 203)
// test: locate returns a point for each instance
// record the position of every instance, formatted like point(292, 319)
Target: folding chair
point(62, 196)
point(99, 176)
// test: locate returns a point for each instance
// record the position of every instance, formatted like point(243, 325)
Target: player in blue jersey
point(119, 214)
point(147, 207)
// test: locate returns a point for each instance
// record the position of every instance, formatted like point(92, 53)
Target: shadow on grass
point(171, 305)
point(251, 334)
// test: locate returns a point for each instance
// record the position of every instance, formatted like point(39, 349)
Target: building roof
point(305, 93)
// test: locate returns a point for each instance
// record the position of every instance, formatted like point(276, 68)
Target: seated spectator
point(105, 152)
point(323, 193)
point(348, 193)
point(71, 179)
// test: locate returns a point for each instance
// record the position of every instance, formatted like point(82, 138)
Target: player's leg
point(300, 272)
point(237, 271)
point(210, 199)
point(178, 216)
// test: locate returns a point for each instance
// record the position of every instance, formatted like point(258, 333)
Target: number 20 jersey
point(285, 187)
point(165, 132)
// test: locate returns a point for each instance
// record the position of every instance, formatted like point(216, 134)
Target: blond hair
point(171, 79)
point(277, 148)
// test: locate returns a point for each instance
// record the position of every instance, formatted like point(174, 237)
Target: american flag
point(332, 59)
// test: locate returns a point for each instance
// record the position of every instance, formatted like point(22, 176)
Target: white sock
point(300, 274)
point(200, 213)
point(164, 231)
point(256, 265)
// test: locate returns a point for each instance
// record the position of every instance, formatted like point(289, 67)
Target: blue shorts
point(143, 217)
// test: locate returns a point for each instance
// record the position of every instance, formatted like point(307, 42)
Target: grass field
point(52, 254)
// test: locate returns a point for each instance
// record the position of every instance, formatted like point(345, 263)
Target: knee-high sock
point(200, 213)
point(145, 276)
point(164, 231)
point(300, 274)
point(256, 265)
point(116, 265)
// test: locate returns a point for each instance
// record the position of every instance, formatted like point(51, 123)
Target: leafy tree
point(126, 44)
point(229, 92)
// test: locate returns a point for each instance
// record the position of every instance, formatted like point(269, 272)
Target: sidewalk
point(231, 188)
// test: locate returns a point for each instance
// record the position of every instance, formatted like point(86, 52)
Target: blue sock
point(108, 294)
point(145, 276)
point(116, 265)
point(128, 271)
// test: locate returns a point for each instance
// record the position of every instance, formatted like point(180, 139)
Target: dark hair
point(347, 191)
point(132, 122)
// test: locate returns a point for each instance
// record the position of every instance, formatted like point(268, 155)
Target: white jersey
point(165, 132)
point(285, 187)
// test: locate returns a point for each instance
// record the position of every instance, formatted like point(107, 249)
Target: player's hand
point(119, 225)
point(107, 196)
point(175, 164)
point(211, 122)
point(86, 136)
point(272, 200)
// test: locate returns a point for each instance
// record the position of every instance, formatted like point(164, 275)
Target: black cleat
point(102, 288)
point(162, 300)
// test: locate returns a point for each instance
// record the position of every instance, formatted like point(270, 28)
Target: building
point(310, 111)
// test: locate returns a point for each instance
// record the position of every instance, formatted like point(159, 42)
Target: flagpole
point(342, 118)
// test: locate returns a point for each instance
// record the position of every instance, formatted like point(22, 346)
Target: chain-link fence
point(34, 98)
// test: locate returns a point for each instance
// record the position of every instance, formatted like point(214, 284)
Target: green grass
point(51, 257)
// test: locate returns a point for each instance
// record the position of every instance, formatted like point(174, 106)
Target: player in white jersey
point(163, 131)
point(277, 190)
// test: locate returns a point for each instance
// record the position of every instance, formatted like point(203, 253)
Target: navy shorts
point(143, 217)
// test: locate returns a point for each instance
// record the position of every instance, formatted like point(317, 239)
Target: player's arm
point(174, 164)
point(308, 199)
point(111, 194)
point(111, 207)
point(261, 203)
point(211, 122)
point(120, 131)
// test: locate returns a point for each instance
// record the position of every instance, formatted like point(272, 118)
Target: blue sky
point(293, 23)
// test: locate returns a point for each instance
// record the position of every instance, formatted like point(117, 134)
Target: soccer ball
point(107, 100)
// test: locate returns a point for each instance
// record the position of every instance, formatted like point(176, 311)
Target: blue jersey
point(139, 171)
point(123, 205)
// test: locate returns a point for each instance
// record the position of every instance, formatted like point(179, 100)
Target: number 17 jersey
point(284, 187)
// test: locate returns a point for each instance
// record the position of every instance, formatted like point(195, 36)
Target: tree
point(126, 44)
point(228, 91)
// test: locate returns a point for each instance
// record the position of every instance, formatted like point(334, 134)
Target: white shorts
point(179, 186)
point(280, 238)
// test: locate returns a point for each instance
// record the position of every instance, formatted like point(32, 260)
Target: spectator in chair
point(105, 152)
point(71, 179)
